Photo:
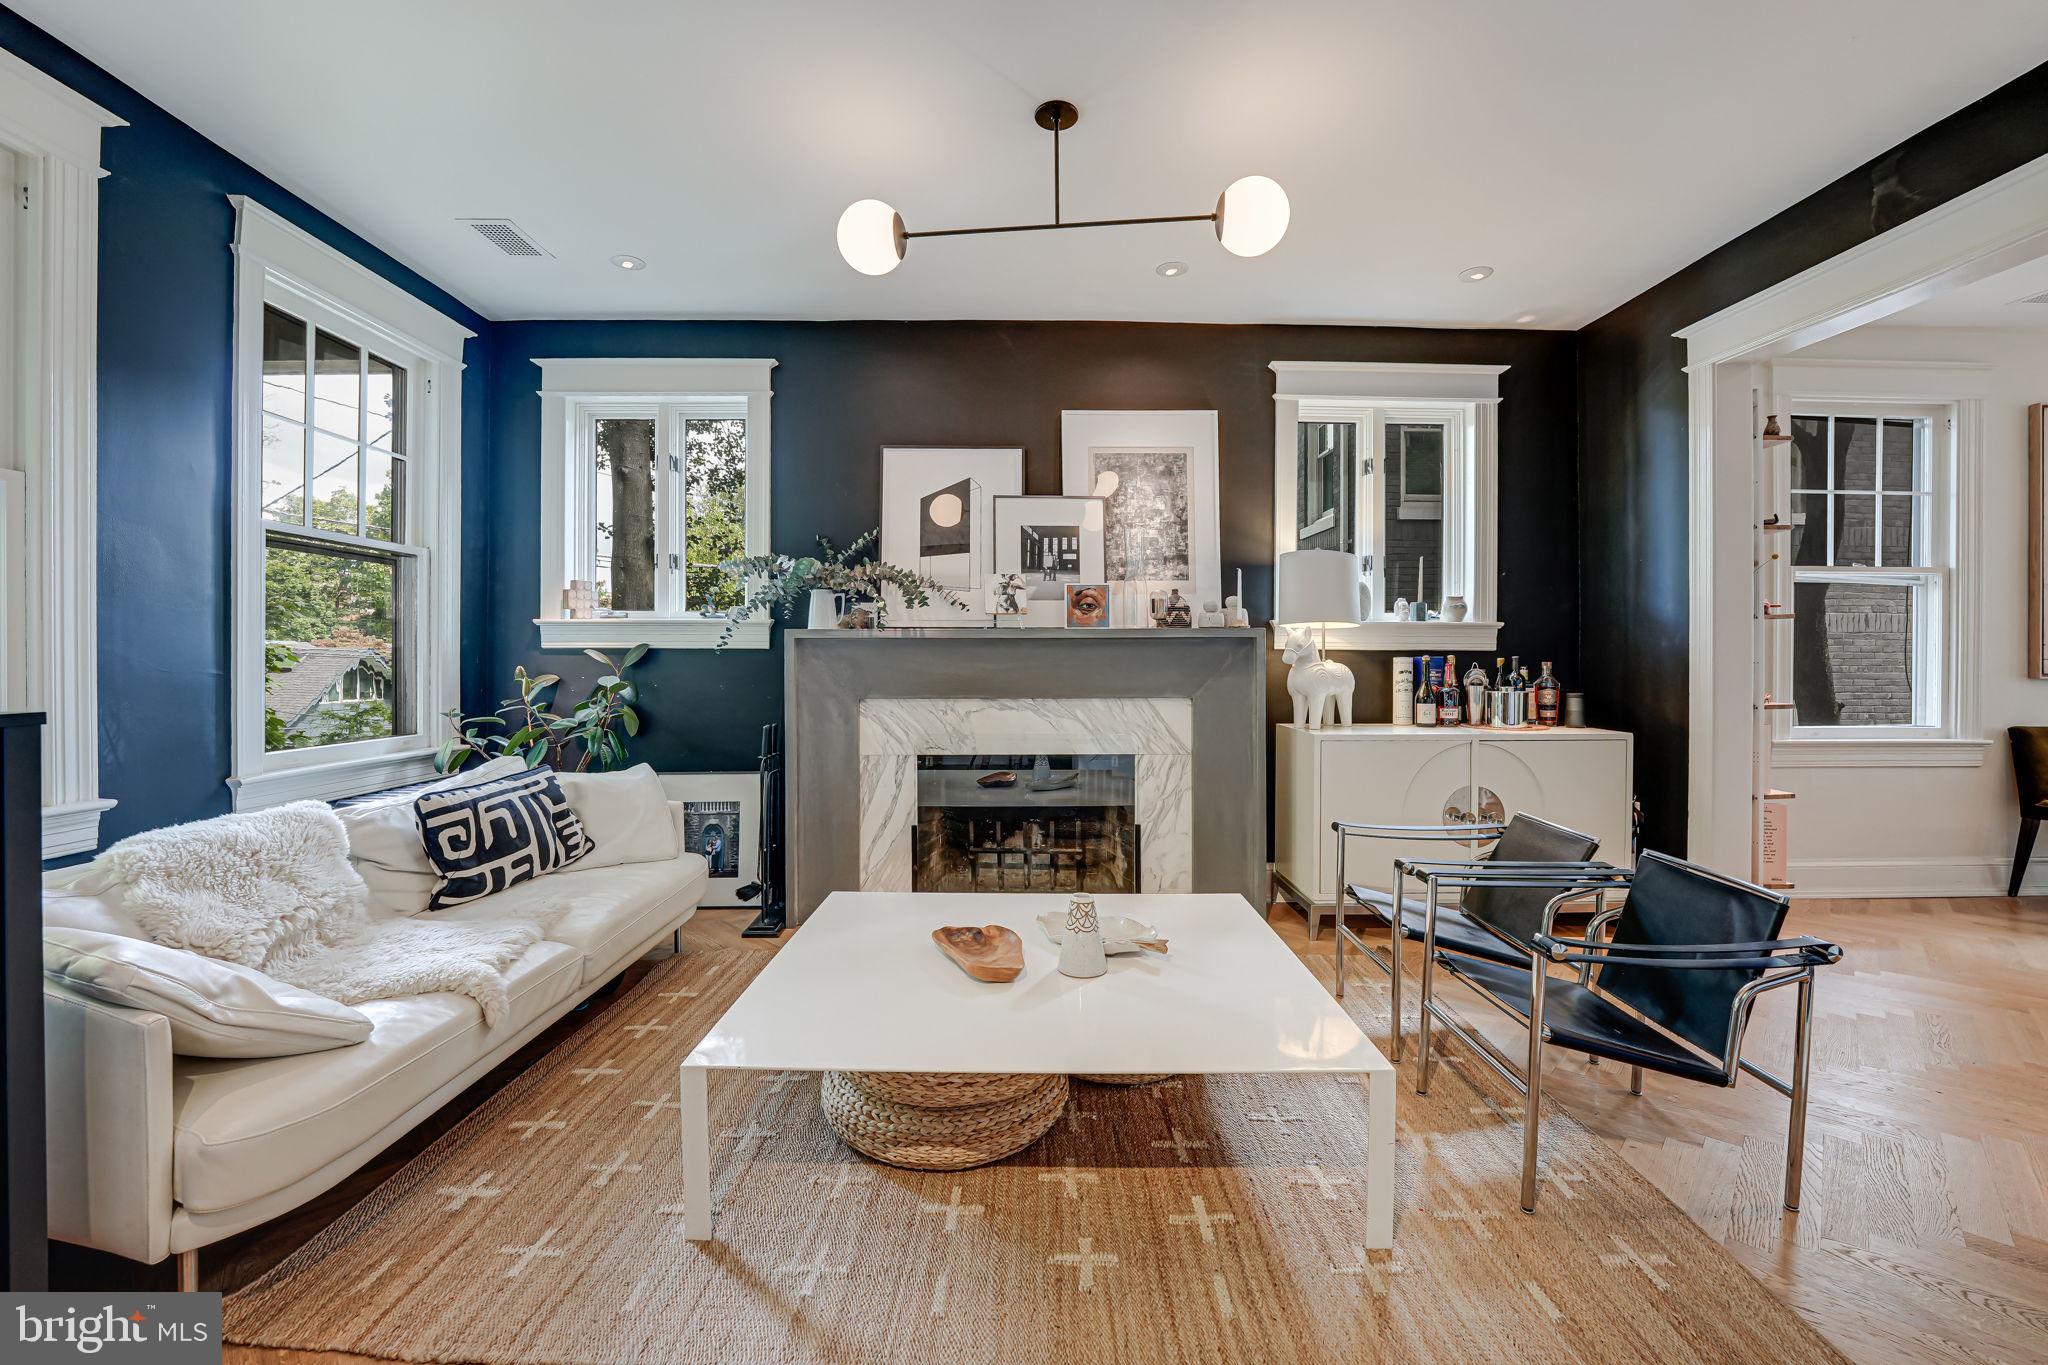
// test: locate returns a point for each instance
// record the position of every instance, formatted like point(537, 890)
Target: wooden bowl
point(987, 953)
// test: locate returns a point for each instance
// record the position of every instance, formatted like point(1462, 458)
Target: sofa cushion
point(606, 913)
point(104, 913)
point(491, 836)
point(385, 845)
point(243, 1129)
point(626, 813)
point(215, 1008)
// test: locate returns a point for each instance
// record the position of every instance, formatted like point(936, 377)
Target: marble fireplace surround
point(1157, 731)
point(828, 675)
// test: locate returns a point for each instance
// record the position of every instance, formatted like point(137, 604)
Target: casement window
point(347, 529)
point(1395, 464)
point(1868, 488)
point(654, 474)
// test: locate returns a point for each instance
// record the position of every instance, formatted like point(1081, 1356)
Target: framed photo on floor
point(936, 509)
point(1052, 541)
point(722, 823)
point(1156, 474)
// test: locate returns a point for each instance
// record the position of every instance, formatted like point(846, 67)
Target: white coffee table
point(861, 987)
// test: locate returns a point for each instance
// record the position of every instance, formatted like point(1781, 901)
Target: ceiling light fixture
point(1473, 274)
point(1250, 218)
point(1171, 269)
point(629, 263)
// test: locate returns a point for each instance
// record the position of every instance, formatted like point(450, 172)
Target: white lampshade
point(871, 237)
point(1316, 588)
point(1251, 217)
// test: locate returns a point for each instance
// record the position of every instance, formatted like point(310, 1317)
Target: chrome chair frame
point(1783, 962)
point(1474, 834)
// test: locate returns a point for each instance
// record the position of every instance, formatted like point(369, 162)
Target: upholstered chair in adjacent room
point(2030, 773)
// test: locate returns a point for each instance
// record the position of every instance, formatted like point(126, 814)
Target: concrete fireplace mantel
point(829, 673)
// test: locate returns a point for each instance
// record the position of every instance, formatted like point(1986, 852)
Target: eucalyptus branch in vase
point(778, 584)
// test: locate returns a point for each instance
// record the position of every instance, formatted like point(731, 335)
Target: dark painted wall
point(844, 390)
point(1632, 454)
point(165, 414)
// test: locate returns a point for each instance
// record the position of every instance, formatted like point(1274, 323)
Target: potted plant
point(777, 583)
point(533, 730)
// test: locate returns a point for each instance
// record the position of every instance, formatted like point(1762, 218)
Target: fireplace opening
point(1026, 822)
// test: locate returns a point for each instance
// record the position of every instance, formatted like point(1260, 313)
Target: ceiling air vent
point(2041, 297)
point(506, 235)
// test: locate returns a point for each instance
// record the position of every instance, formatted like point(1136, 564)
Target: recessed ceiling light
point(1526, 317)
point(629, 263)
point(1472, 274)
point(1172, 268)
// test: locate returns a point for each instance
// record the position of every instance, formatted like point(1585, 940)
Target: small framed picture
point(1087, 606)
point(722, 825)
point(1008, 594)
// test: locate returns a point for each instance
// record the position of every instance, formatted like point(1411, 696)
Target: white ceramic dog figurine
point(1314, 682)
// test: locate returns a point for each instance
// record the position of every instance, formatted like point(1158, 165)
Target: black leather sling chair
point(1548, 858)
point(1671, 992)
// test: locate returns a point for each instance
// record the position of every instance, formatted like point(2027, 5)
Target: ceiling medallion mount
point(1250, 218)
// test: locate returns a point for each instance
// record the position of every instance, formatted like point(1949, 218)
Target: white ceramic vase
point(1081, 943)
point(824, 609)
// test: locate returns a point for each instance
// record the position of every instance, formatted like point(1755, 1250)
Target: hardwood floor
point(1923, 1233)
point(1925, 1229)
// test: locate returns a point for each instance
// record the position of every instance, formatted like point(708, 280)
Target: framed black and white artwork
point(1156, 474)
point(1051, 541)
point(721, 824)
point(936, 509)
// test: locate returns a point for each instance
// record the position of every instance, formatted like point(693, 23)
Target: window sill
point(656, 632)
point(1419, 635)
point(1879, 753)
point(73, 828)
point(329, 781)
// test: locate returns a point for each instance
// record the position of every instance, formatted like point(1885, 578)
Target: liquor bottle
point(1500, 672)
point(1514, 673)
point(1427, 685)
point(1404, 691)
point(1450, 702)
point(1549, 696)
point(1475, 695)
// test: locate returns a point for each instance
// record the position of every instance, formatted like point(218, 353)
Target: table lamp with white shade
point(1316, 588)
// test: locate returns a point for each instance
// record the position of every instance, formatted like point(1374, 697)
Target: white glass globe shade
point(1251, 217)
point(871, 237)
point(946, 509)
point(1107, 482)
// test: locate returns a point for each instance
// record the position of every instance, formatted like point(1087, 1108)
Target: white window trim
point(276, 262)
point(1956, 742)
point(573, 387)
point(52, 623)
point(1472, 531)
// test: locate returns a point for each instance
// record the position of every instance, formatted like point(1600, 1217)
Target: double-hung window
point(1868, 489)
point(347, 532)
point(654, 475)
point(1394, 464)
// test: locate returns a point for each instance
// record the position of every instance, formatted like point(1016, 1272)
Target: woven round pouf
point(947, 1136)
point(1135, 1078)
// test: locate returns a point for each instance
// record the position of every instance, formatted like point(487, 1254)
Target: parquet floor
point(1925, 1230)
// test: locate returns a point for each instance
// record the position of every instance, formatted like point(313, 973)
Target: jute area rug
point(1208, 1219)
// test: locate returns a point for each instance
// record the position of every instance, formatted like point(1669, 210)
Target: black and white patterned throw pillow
point(498, 833)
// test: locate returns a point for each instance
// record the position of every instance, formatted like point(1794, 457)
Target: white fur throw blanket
point(274, 890)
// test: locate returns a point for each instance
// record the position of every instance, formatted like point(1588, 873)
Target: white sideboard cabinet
point(1419, 775)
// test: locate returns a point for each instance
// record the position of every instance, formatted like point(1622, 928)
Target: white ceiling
point(1584, 148)
point(1997, 302)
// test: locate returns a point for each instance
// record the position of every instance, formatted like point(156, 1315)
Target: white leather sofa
point(153, 1155)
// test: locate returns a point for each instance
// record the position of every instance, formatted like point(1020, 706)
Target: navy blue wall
point(166, 327)
point(1632, 467)
point(843, 390)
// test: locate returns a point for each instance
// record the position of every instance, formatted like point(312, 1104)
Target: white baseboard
point(1885, 878)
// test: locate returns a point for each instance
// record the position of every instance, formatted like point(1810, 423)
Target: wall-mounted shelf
point(1779, 794)
point(1774, 612)
point(1775, 440)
